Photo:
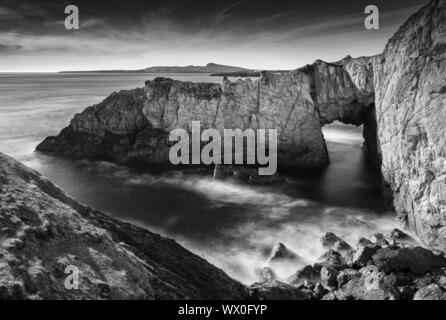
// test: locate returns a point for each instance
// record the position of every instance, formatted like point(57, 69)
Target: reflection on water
point(234, 226)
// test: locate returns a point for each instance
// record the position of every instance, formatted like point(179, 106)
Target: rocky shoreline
point(384, 267)
point(43, 231)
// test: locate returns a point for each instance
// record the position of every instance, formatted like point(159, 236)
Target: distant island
point(209, 68)
point(242, 74)
point(245, 74)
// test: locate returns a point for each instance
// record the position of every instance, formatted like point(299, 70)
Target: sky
point(136, 34)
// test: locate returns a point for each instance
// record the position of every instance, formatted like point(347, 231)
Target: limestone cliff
point(43, 231)
point(134, 125)
point(410, 98)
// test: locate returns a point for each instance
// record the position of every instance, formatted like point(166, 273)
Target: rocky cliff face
point(410, 98)
point(43, 231)
point(399, 96)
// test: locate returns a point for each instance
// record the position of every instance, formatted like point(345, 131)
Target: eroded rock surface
point(43, 231)
point(410, 98)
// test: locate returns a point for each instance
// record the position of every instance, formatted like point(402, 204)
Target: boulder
point(364, 254)
point(330, 296)
point(329, 276)
point(333, 242)
point(281, 253)
point(364, 242)
point(416, 260)
point(430, 292)
point(267, 275)
point(442, 282)
point(346, 275)
point(398, 279)
point(319, 291)
point(307, 273)
point(379, 239)
point(396, 236)
point(356, 289)
point(333, 259)
point(246, 174)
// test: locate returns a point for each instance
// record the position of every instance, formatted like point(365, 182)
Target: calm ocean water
point(232, 225)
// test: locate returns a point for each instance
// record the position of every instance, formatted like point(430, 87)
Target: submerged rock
point(333, 242)
point(246, 174)
point(281, 253)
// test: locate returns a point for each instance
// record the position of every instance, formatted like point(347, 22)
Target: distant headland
point(209, 68)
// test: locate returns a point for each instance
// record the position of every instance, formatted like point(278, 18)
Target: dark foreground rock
point(279, 291)
point(415, 260)
point(430, 292)
point(373, 272)
point(43, 231)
